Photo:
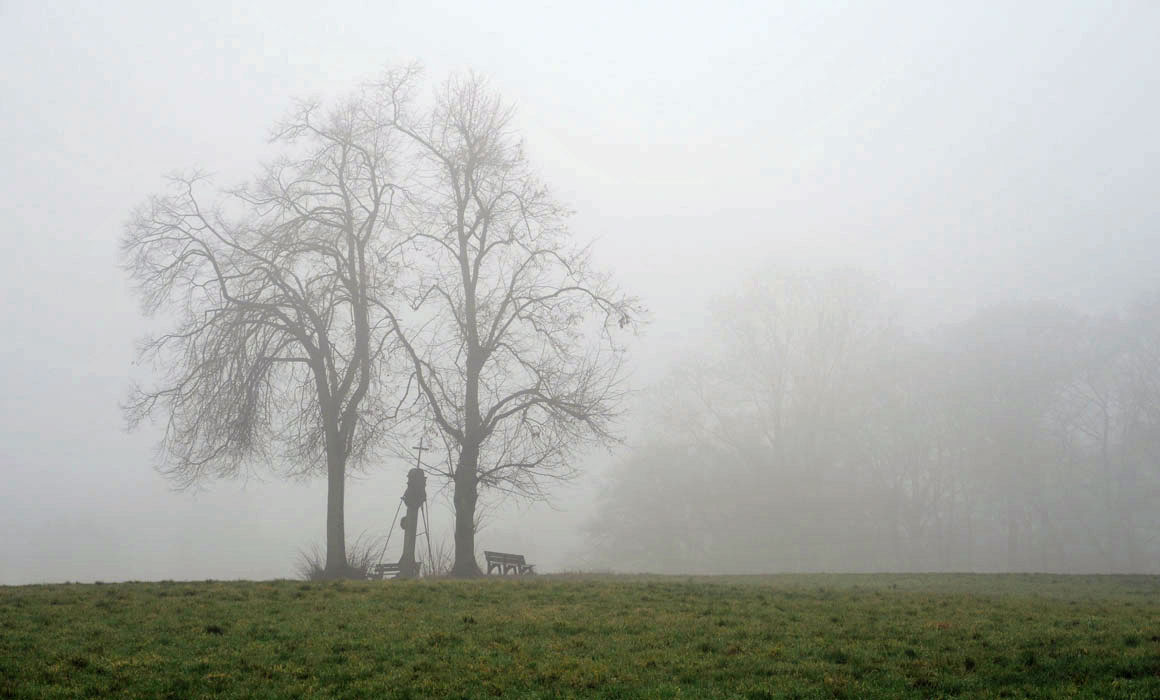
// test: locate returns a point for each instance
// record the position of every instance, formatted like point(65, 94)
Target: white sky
point(966, 152)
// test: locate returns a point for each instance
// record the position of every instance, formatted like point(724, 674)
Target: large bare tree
point(274, 353)
point(510, 330)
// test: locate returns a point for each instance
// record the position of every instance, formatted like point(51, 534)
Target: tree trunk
point(466, 495)
point(336, 565)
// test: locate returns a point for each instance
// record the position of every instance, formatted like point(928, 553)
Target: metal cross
point(419, 455)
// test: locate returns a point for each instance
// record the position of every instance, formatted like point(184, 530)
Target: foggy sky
point(966, 153)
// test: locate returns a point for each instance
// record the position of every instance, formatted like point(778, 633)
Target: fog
point(900, 260)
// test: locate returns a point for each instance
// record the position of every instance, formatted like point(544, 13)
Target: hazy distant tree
point(755, 443)
point(1139, 479)
point(1108, 416)
point(1010, 363)
point(509, 329)
point(274, 353)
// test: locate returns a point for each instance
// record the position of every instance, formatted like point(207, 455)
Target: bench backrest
point(504, 558)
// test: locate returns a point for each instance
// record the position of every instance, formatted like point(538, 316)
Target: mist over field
point(900, 260)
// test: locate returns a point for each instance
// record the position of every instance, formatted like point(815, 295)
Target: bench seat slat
point(379, 571)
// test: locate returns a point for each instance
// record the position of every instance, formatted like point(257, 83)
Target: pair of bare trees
point(399, 266)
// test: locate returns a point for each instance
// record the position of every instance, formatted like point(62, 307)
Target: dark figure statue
point(414, 498)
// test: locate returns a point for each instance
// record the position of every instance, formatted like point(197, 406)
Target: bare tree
point(509, 329)
point(275, 354)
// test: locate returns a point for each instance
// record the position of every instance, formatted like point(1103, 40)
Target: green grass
point(657, 637)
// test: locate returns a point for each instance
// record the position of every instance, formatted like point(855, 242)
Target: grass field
point(658, 637)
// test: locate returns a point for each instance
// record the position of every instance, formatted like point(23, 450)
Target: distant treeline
point(811, 433)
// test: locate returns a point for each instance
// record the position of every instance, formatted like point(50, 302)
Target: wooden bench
point(379, 571)
point(508, 563)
